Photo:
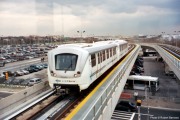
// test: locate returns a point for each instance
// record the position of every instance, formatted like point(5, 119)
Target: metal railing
point(172, 58)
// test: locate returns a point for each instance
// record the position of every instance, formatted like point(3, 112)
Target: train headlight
point(78, 74)
point(53, 74)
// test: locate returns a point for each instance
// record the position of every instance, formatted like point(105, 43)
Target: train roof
point(144, 78)
point(102, 45)
point(94, 47)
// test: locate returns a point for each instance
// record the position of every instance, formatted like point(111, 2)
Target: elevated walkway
point(172, 61)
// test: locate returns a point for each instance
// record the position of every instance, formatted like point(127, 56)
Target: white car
point(19, 73)
point(25, 72)
point(34, 81)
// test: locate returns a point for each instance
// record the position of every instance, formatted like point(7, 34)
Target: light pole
point(147, 98)
point(175, 38)
point(178, 39)
point(81, 32)
point(162, 37)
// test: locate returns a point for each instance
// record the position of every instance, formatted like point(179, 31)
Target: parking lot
point(13, 53)
point(20, 63)
point(8, 89)
point(167, 96)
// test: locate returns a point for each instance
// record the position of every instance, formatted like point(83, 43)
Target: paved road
point(158, 114)
point(168, 96)
point(18, 65)
point(4, 94)
point(169, 87)
point(8, 91)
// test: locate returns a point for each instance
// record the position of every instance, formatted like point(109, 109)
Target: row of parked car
point(138, 67)
point(30, 69)
point(22, 82)
point(22, 52)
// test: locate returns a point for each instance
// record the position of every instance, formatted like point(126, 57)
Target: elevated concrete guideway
point(171, 60)
point(101, 102)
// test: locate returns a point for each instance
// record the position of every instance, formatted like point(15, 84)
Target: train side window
point(93, 60)
point(114, 51)
point(124, 46)
point(103, 55)
point(107, 53)
point(99, 57)
point(110, 52)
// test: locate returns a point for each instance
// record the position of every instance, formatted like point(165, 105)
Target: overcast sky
point(95, 17)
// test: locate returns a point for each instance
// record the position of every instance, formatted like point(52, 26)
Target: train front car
point(66, 64)
point(79, 65)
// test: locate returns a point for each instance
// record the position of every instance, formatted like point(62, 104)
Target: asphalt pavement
point(6, 91)
point(158, 114)
point(168, 96)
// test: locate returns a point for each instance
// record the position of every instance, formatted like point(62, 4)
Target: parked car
point(134, 73)
point(140, 68)
point(25, 72)
point(17, 81)
point(29, 57)
point(45, 65)
point(34, 81)
point(137, 70)
point(10, 73)
point(126, 106)
point(40, 66)
point(25, 82)
point(31, 69)
point(2, 63)
point(139, 63)
point(36, 67)
point(19, 73)
point(9, 81)
point(140, 59)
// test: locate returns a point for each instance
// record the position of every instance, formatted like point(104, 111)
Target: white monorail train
point(81, 64)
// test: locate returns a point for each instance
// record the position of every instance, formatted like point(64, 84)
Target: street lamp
point(81, 32)
point(147, 99)
point(176, 39)
point(162, 41)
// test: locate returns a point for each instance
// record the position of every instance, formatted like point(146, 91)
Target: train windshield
point(66, 62)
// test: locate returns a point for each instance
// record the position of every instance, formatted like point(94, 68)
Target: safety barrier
point(103, 106)
point(171, 60)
